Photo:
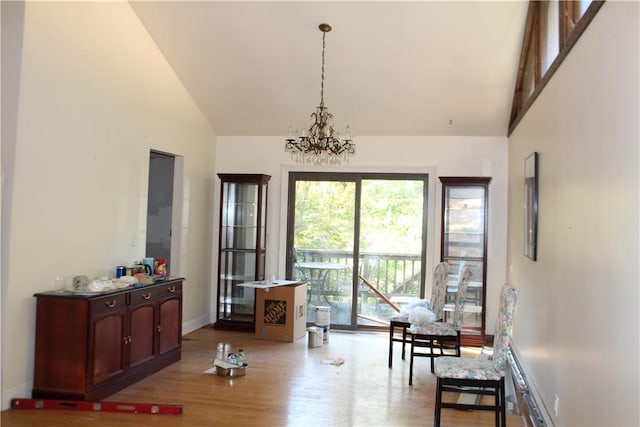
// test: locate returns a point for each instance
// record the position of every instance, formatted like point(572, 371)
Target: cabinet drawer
point(144, 295)
point(153, 293)
point(169, 289)
point(108, 303)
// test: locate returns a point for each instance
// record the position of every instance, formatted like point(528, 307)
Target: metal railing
point(391, 274)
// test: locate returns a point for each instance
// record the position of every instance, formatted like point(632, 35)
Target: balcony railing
point(391, 274)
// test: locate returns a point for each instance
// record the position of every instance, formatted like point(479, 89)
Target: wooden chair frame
point(494, 388)
point(393, 324)
point(441, 342)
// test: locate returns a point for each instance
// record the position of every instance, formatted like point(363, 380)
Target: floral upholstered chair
point(442, 336)
point(436, 305)
point(480, 376)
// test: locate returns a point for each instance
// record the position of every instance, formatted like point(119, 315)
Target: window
point(552, 28)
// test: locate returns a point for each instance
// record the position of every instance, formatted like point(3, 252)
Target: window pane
point(549, 34)
point(529, 78)
point(464, 223)
point(583, 5)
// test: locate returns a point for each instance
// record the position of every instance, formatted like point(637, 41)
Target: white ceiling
point(392, 67)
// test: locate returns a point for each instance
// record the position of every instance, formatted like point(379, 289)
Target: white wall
point(94, 96)
point(438, 156)
point(576, 325)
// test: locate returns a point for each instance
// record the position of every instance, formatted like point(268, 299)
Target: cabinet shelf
point(243, 250)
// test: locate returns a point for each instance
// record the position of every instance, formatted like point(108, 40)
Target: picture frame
point(531, 206)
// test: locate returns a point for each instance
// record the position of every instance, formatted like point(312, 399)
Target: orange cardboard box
point(281, 312)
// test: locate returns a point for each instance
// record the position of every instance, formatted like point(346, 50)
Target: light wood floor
point(287, 384)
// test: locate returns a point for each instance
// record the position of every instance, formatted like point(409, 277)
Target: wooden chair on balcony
point(441, 336)
point(399, 323)
point(480, 376)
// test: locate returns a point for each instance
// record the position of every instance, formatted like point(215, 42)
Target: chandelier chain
point(322, 72)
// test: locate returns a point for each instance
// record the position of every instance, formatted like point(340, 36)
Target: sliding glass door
point(358, 240)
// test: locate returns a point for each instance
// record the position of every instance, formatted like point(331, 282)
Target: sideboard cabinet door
point(169, 311)
point(107, 338)
point(141, 331)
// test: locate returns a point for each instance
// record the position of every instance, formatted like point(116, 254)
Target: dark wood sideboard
point(88, 347)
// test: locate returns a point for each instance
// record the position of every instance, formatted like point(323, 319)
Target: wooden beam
point(377, 292)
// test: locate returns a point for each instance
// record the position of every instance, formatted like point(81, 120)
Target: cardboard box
point(281, 312)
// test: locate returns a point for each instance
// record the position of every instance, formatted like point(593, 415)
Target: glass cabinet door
point(242, 247)
point(464, 244)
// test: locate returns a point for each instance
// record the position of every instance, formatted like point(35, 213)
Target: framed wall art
point(531, 206)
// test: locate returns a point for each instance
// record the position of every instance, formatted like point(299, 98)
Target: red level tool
point(135, 408)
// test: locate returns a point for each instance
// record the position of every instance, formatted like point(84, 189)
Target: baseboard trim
point(23, 390)
point(527, 402)
point(194, 324)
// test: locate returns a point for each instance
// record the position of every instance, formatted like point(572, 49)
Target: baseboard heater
point(535, 417)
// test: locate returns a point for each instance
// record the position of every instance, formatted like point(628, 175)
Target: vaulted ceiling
point(392, 67)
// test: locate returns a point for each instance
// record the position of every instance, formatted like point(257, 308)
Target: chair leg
point(404, 340)
point(497, 408)
point(390, 345)
point(503, 403)
point(436, 414)
point(411, 361)
point(432, 354)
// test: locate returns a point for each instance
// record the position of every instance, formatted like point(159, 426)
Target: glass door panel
point(390, 247)
point(323, 245)
point(464, 244)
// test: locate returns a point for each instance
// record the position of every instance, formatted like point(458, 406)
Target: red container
point(161, 267)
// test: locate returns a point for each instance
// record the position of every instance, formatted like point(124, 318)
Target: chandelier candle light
point(320, 144)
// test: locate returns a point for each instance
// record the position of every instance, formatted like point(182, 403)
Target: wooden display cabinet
point(242, 247)
point(464, 233)
point(88, 347)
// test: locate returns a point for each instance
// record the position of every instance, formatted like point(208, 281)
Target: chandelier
point(320, 143)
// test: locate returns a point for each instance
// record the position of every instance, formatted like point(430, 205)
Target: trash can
point(315, 336)
point(323, 320)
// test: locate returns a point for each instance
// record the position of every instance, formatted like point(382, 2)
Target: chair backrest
point(439, 289)
point(461, 297)
point(508, 299)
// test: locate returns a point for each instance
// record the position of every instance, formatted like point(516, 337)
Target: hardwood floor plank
point(287, 384)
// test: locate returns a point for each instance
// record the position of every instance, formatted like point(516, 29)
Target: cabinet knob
point(172, 289)
point(147, 295)
point(110, 304)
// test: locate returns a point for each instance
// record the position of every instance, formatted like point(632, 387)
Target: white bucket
point(315, 336)
point(323, 319)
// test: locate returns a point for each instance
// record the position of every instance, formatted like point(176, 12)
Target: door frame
point(357, 177)
point(177, 205)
